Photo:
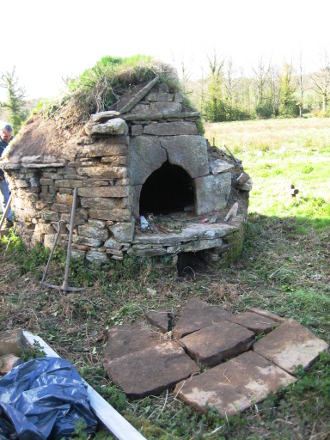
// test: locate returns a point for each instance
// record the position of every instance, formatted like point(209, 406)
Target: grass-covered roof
point(100, 86)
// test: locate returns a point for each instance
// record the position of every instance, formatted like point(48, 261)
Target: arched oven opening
point(167, 190)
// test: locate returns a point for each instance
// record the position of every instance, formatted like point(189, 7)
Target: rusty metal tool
point(59, 225)
point(65, 286)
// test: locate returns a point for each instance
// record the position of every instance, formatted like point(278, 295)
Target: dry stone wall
point(113, 158)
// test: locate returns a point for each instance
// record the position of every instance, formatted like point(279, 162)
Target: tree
point(288, 104)
point(321, 82)
point(15, 100)
point(215, 106)
point(301, 87)
point(264, 107)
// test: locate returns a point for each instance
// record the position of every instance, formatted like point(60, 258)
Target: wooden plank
point(140, 95)
point(111, 419)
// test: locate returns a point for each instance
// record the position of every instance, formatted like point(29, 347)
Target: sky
point(48, 41)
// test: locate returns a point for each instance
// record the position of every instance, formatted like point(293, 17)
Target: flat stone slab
point(253, 321)
point(196, 315)
point(234, 385)
point(211, 345)
point(290, 345)
point(219, 166)
point(12, 342)
point(160, 319)
point(7, 362)
point(194, 231)
point(212, 192)
point(151, 370)
point(126, 339)
point(266, 313)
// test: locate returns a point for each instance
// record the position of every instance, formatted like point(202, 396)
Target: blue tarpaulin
point(43, 399)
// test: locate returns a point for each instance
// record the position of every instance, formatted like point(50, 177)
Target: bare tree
point(185, 77)
point(301, 86)
point(261, 74)
point(321, 82)
point(229, 82)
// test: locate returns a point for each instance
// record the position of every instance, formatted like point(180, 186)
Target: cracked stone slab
point(151, 370)
point(235, 385)
point(290, 345)
point(211, 345)
point(128, 338)
point(255, 322)
point(196, 315)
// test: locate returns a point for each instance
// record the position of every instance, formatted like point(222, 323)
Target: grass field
point(284, 268)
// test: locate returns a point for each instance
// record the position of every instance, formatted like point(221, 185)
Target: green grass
point(277, 154)
point(283, 268)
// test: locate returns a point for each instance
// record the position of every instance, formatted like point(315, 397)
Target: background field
point(284, 268)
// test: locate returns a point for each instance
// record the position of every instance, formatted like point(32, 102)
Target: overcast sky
point(50, 40)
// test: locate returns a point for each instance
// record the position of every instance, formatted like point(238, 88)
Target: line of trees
point(227, 95)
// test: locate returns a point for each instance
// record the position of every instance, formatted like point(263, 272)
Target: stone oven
point(143, 157)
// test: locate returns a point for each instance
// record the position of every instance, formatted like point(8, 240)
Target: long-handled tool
point(65, 286)
point(59, 225)
point(5, 212)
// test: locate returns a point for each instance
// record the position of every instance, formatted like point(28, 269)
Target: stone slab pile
point(148, 367)
point(240, 371)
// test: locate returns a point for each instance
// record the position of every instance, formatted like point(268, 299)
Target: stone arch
point(168, 189)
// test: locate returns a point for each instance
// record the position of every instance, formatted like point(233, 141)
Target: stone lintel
point(171, 128)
